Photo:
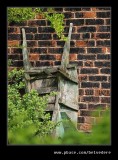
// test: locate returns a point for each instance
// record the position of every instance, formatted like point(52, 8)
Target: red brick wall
point(90, 49)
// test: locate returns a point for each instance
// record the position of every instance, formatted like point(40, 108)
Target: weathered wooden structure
point(62, 79)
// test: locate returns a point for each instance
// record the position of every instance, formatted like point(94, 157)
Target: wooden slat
point(46, 90)
point(66, 50)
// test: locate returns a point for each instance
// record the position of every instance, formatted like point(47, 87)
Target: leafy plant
point(22, 14)
point(26, 113)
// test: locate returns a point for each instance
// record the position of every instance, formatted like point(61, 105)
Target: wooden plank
point(50, 107)
point(46, 90)
point(66, 50)
point(69, 106)
point(43, 83)
point(68, 77)
point(26, 62)
point(68, 93)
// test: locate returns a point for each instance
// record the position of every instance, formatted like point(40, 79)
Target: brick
point(31, 43)
point(81, 43)
point(102, 64)
point(39, 16)
point(82, 106)
point(60, 43)
point(81, 92)
point(109, 78)
point(89, 120)
point(16, 50)
point(15, 57)
point(74, 50)
point(85, 127)
point(68, 15)
point(55, 37)
point(102, 92)
point(86, 29)
point(104, 56)
point(107, 8)
point(103, 35)
point(8, 50)
point(90, 99)
point(43, 37)
point(58, 9)
point(36, 23)
point(103, 14)
point(58, 57)
point(14, 37)
point(82, 78)
point(103, 43)
point(80, 120)
point(47, 57)
point(33, 57)
point(17, 63)
point(75, 22)
point(45, 30)
point(108, 21)
point(85, 35)
point(89, 71)
point(57, 63)
point(86, 57)
point(30, 29)
point(75, 36)
point(89, 14)
point(89, 91)
point(46, 43)
point(86, 9)
point(105, 70)
point(13, 30)
point(72, 57)
point(89, 63)
point(104, 29)
point(97, 78)
point(80, 63)
point(46, 63)
point(29, 36)
point(79, 15)
point(85, 43)
point(13, 43)
point(55, 50)
point(72, 9)
point(105, 85)
point(105, 99)
point(94, 50)
point(96, 106)
point(18, 24)
point(38, 50)
point(89, 85)
point(94, 21)
point(85, 113)
point(66, 29)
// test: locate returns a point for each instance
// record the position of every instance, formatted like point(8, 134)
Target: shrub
point(28, 121)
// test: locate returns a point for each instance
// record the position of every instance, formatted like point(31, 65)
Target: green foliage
point(27, 119)
point(57, 23)
point(100, 135)
point(22, 14)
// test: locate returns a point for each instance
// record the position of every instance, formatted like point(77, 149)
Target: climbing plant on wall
point(22, 14)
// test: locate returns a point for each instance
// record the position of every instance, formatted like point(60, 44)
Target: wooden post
point(66, 50)
point(26, 62)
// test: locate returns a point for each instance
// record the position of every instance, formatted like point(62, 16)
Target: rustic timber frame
point(61, 79)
